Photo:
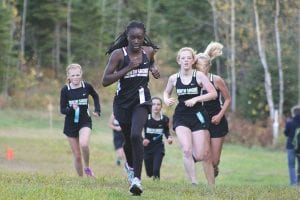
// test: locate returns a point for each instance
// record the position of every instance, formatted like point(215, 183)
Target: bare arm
point(111, 123)
point(220, 84)
point(111, 74)
point(153, 68)
point(155, 72)
point(211, 91)
point(169, 101)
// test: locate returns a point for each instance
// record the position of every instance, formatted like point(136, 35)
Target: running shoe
point(88, 172)
point(130, 173)
point(194, 184)
point(136, 187)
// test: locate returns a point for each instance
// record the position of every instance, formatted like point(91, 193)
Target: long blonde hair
point(213, 50)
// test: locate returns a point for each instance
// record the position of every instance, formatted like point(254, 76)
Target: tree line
point(261, 38)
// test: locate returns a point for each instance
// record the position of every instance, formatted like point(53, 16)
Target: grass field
point(42, 167)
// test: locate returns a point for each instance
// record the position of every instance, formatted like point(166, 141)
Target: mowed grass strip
point(42, 168)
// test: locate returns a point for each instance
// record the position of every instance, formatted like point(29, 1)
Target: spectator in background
point(292, 127)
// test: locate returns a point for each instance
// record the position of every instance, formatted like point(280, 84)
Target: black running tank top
point(213, 106)
point(185, 92)
point(127, 94)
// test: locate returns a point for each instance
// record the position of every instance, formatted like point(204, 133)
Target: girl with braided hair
point(130, 61)
point(216, 109)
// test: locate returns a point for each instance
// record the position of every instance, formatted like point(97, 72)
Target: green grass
point(42, 167)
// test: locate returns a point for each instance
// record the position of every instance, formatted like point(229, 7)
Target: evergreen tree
point(7, 53)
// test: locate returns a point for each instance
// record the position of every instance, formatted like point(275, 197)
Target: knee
point(215, 163)
point(204, 156)
point(84, 146)
point(200, 157)
point(83, 143)
point(187, 153)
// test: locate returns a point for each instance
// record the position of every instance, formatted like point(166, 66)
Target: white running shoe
point(136, 187)
point(130, 173)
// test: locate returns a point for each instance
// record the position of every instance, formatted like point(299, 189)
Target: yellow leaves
point(267, 108)
point(14, 11)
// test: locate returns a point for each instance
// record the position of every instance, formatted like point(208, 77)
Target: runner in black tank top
point(213, 107)
point(188, 116)
point(218, 123)
point(128, 87)
point(131, 59)
point(131, 108)
point(190, 120)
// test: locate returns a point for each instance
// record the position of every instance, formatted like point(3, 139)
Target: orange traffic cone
point(9, 153)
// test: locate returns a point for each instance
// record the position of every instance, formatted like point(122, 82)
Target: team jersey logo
point(78, 102)
point(137, 73)
point(187, 91)
point(154, 130)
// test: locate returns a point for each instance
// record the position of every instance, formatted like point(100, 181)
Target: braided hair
point(122, 41)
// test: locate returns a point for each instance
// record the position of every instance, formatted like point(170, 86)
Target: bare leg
point(201, 147)
point(84, 140)
point(216, 149)
point(74, 144)
point(120, 154)
point(184, 136)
